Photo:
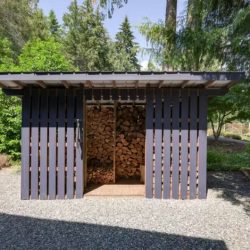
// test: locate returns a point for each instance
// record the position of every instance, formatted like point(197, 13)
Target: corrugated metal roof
point(209, 80)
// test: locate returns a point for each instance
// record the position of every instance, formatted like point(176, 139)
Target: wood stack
point(126, 131)
point(130, 141)
point(100, 144)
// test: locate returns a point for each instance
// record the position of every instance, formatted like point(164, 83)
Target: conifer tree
point(86, 40)
point(126, 48)
point(54, 26)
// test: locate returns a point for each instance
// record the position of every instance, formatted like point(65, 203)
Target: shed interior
point(115, 136)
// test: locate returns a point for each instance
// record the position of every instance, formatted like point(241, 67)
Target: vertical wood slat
point(167, 144)
point(184, 144)
point(193, 143)
point(79, 144)
point(202, 164)
point(25, 141)
point(44, 145)
point(70, 144)
point(149, 144)
point(158, 144)
point(175, 167)
point(61, 144)
point(34, 143)
point(52, 144)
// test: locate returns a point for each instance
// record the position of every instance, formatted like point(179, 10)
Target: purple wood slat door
point(34, 144)
point(52, 143)
point(61, 144)
point(79, 144)
point(184, 144)
point(175, 142)
point(167, 144)
point(202, 162)
point(149, 144)
point(44, 145)
point(25, 142)
point(158, 144)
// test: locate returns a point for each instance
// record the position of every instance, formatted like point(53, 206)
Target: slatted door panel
point(176, 143)
point(52, 144)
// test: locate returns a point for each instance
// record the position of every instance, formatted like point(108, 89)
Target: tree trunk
point(170, 16)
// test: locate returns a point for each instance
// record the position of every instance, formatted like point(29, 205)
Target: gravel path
point(220, 222)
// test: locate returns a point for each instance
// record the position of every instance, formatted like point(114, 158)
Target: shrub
point(4, 161)
point(10, 126)
point(233, 136)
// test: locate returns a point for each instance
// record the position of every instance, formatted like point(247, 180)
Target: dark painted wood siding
point(176, 143)
point(52, 144)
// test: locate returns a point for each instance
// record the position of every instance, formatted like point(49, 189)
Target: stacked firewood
point(130, 141)
point(126, 132)
point(100, 144)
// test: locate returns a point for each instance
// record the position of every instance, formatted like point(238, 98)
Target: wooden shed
point(166, 146)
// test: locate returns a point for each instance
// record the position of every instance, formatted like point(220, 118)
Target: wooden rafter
point(66, 84)
point(2, 85)
point(209, 84)
point(89, 84)
point(19, 84)
point(114, 84)
point(184, 84)
point(42, 84)
point(161, 83)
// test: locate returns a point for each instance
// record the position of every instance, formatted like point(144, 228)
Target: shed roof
point(209, 80)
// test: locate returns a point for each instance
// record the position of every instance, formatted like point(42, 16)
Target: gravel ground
point(220, 222)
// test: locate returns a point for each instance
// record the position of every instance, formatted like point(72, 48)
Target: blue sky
point(136, 10)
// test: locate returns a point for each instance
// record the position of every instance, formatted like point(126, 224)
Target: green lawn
point(228, 156)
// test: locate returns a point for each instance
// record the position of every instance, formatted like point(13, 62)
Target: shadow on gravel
point(233, 187)
point(17, 232)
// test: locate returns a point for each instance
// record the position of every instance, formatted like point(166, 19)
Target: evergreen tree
point(40, 26)
point(86, 40)
point(54, 26)
point(126, 48)
point(16, 19)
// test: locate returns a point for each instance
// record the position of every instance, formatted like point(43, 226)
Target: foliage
point(6, 55)
point(17, 21)
point(10, 125)
point(224, 161)
point(110, 5)
point(232, 136)
point(86, 40)
point(38, 55)
point(54, 26)
point(126, 49)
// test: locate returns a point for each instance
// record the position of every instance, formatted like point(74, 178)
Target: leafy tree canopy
point(38, 55)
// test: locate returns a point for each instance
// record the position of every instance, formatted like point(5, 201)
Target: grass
point(228, 156)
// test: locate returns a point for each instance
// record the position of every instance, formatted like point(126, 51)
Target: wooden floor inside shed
point(116, 190)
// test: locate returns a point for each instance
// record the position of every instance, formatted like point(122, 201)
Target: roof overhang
point(208, 80)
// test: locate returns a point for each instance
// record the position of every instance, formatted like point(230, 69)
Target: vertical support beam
point(25, 177)
point(184, 144)
point(80, 144)
point(114, 150)
point(44, 145)
point(61, 144)
point(175, 167)
point(34, 143)
point(70, 144)
point(193, 143)
point(167, 144)
point(202, 186)
point(158, 144)
point(149, 144)
point(52, 144)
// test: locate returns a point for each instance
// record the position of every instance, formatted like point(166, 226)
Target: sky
point(136, 10)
